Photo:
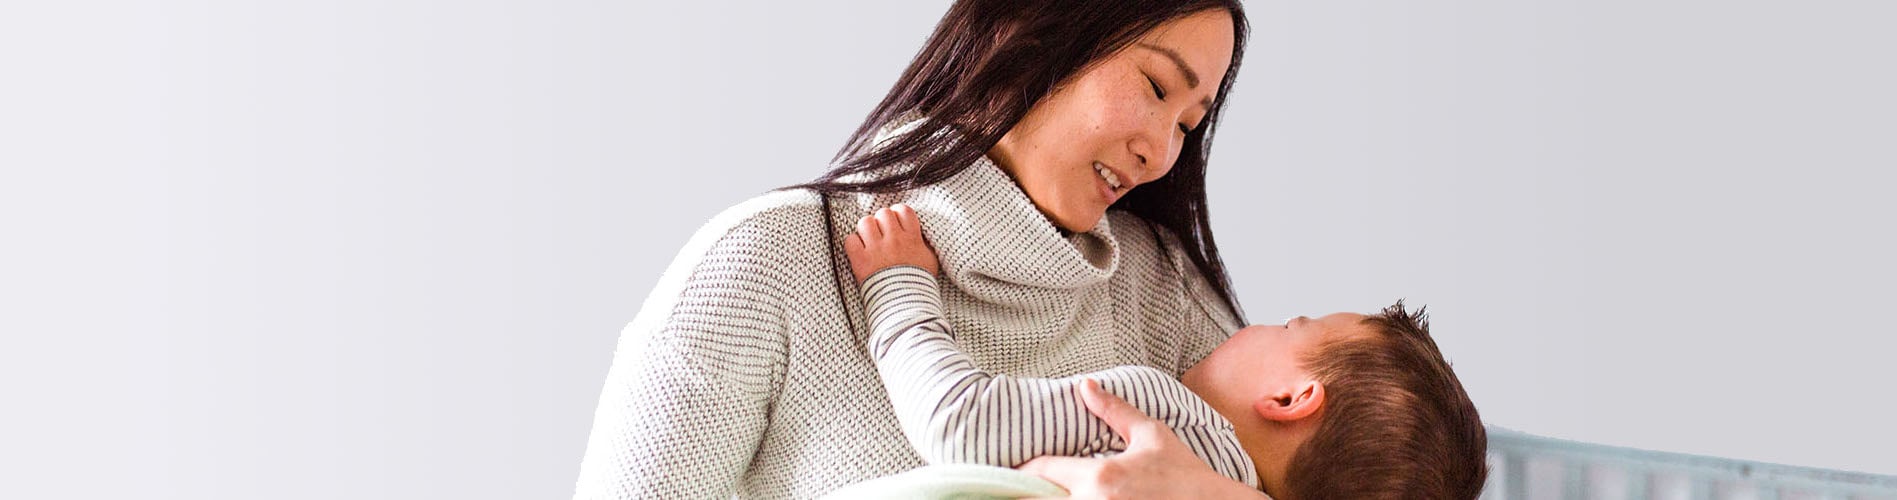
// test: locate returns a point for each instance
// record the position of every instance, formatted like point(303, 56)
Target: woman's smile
point(1109, 183)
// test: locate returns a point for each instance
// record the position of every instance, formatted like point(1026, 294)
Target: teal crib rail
point(1527, 467)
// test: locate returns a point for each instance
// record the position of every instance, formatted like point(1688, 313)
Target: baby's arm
point(953, 412)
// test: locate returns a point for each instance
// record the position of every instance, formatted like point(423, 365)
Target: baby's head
point(1348, 406)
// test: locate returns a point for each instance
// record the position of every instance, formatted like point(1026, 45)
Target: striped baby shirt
point(954, 412)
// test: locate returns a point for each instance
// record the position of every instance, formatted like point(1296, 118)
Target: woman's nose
point(1143, 152)
point(1152, 149)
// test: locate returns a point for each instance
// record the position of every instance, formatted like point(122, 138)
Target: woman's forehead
point(1203, 41)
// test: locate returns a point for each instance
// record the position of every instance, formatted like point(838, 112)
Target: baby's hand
point(888, 237)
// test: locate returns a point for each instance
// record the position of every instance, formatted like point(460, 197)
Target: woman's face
point(1120, 122)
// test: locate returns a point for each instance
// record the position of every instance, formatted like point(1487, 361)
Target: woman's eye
point(1158, 92)
point(1184, 129)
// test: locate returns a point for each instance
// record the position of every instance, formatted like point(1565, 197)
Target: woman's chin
point(1079, 226)
point(1077, 221)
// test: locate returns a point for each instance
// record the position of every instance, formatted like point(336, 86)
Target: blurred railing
point(1528, 467)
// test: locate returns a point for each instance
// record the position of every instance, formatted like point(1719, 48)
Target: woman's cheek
point(1103, 106)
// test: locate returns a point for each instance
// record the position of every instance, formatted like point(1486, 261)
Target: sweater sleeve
point(953, 412)
point(686, 398)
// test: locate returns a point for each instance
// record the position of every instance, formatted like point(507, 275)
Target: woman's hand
point(888, 237)
point(1156, 464)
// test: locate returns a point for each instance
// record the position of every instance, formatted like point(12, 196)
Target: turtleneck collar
point(990, 236)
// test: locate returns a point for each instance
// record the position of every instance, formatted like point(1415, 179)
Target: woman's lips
point(1107, 191)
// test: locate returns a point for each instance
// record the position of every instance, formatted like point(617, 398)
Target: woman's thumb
point(1123, 418)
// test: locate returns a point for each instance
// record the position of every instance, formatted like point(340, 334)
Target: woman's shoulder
point(779, 232)
point(778, 206)
point(782, 216)
point(768, 244)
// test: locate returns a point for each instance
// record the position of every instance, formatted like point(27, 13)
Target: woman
point(1012, 133)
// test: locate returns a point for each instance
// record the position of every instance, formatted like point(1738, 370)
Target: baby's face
point(1260, 358)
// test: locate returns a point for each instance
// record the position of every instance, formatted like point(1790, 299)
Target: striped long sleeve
point(954, 412)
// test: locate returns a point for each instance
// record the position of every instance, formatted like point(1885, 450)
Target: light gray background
point(382, 249)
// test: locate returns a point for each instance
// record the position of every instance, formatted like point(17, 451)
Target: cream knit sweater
point(741, 374)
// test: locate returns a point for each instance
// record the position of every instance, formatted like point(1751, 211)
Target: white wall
point(383, 249)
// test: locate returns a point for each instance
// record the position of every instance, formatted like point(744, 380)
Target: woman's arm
point(685, 401)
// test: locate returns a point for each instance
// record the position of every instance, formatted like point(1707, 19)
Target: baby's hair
point(1395, 422)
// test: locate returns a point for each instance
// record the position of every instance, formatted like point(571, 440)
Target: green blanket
point(951, 481)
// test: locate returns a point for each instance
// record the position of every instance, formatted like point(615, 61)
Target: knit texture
point(745, 373)
point(953, 412)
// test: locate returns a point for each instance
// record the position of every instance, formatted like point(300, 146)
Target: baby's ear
point(1292, 404)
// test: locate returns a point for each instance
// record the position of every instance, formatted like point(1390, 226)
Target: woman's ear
point(1288, 406)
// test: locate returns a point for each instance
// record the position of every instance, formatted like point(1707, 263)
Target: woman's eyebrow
point(1192, 78)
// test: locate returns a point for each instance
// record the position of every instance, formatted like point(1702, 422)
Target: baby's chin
point(1208, 389)
point(1195, 378)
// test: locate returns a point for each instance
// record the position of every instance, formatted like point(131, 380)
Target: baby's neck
point(1270, 453)
point(1269, 443)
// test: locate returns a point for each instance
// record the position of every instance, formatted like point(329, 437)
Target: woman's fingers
point(1156, 464)
point(1064, 471)
point(1123, 418)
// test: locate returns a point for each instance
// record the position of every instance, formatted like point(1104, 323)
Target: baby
point(1342, 406)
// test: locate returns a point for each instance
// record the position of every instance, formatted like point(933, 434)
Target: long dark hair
point(987, 63)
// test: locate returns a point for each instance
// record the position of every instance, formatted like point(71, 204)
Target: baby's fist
point(888, 237)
